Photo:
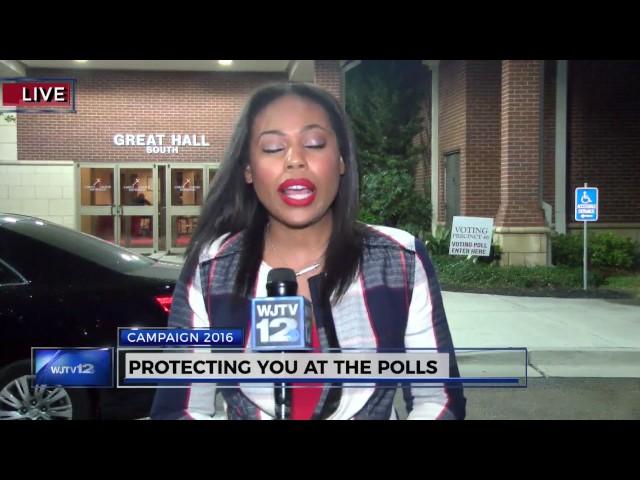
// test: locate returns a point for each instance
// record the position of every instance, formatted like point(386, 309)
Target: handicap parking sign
point(586, 204)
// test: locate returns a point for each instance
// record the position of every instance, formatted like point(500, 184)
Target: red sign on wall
point(38, 95)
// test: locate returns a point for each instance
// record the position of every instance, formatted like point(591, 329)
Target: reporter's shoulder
point(224, 244)
point(383, 236)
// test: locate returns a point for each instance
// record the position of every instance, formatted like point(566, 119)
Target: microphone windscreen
point(281, 282)
point(281, 275)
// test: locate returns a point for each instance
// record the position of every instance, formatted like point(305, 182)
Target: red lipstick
point(297, 192)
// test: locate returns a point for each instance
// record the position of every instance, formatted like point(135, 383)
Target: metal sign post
point(586, 211)
point(584, 254)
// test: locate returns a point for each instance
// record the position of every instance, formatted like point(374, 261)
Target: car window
point(81, 245)
point(9, 275)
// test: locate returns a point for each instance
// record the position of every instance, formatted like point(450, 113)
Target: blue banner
point(73, 367)
point(181, 337)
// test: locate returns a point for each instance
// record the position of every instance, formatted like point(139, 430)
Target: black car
point(63, 288)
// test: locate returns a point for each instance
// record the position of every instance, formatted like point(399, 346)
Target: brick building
point(512, 140)
point(509, 140)
point(89, 171)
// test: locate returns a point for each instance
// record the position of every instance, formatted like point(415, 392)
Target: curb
point(587, 356)
point(567, 362)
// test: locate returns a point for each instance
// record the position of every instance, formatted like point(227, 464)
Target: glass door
point(95, 184)
point(137, 207)
point(185, 193)
point(119, 203)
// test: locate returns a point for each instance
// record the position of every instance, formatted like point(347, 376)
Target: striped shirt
point(394, 303)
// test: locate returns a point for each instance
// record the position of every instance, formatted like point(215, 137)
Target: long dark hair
point(232, 205)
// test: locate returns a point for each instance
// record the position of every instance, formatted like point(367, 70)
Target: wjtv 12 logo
point(79, 369)
point(278, 322)
point(282, 323)
point(38, 95)
point(73, 367)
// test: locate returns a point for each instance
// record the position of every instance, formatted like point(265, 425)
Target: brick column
point(329, 76)
point(520, 223)
point(520, 145)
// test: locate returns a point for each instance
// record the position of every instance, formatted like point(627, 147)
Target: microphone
point(281, 322)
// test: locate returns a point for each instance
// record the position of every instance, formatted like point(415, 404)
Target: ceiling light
point(81, 61)
point(225, 63)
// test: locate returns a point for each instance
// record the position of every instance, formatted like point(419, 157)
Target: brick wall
point(520, 147)
point(480, 188)
point(329, 77)
point(470, 124)
point(8, 140)
point(604, 135)
point(111, 102)
point(452, 121)
point(44, 191)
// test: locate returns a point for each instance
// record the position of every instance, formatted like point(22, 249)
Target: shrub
point(438, 243)
point(606, 251)
point(462, 273)
point(566, 250)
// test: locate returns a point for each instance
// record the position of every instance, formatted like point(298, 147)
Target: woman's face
point(295, 163)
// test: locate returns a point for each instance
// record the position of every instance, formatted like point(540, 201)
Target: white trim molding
point(560, 216)
point(12, 68)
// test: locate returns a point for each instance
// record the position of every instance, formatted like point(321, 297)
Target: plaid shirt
point(394, 303)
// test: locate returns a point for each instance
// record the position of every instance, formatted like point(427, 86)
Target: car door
point(16, 308)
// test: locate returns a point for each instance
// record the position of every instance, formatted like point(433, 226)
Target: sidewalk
point(565, 337)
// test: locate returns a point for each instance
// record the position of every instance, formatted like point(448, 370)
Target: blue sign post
point(586, 211)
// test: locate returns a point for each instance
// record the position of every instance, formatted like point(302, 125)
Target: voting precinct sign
point(471, 236)
point(586, 204)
